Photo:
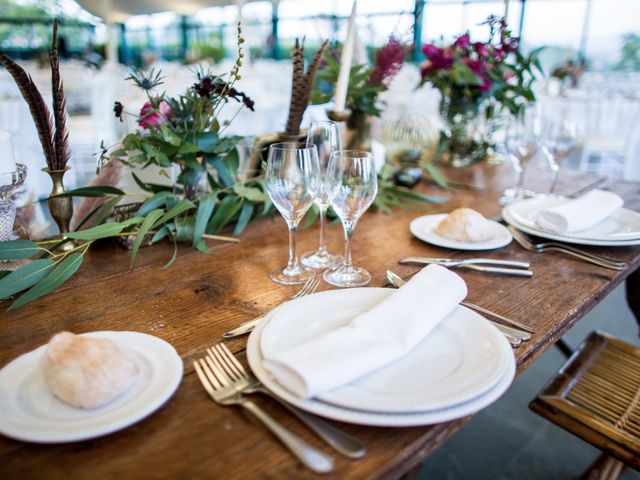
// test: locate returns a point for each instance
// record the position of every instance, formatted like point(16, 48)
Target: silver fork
point(525, 242)
point(310, 287)
point(224, 391)
point(247, 383)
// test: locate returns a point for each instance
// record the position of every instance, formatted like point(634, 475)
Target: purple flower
point(389, 60)
point(480, 69)
point(481, 49)
point(430, 50)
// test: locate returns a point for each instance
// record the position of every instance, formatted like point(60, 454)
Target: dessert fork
point(527, 243)
point(247, 383)
point(225, 391)
point(308, 288)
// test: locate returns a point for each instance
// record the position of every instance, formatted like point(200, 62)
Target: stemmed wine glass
point(326, 137)
point(292, 180)
point(522, 141)
point(352, 183)
point(558, 141)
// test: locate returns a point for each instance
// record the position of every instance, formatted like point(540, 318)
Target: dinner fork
point(224, 391)
point(308, 288)
point(247, 383)
point(525, 242)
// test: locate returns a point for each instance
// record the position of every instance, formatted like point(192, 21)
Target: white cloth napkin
point(373, 339)
point(579, 214)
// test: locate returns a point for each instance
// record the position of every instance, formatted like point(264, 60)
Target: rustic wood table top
point(201, 296)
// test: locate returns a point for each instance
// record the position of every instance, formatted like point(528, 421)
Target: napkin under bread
point(371, 340)
point(579, 214)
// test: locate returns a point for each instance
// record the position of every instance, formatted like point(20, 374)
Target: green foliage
point(630, 53)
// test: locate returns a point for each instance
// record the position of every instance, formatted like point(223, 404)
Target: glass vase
point(357, 135)
point(465, 136)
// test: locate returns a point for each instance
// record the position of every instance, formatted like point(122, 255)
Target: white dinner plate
point(31, 413)
point(622, 225)
point(363, 417)
point(424, 229)
point(564, 238)
point(460, 359)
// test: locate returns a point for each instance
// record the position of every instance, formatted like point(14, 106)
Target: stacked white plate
point(462, 366)
point(622, 228)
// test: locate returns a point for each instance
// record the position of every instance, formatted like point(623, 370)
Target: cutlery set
point(228, 382)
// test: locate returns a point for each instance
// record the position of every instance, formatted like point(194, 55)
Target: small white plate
point(32, 414)
point(424, 229)
point(460, 359)
point(362, 417)
point(622, 225)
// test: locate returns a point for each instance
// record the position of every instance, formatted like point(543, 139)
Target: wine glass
point(558, 141)
point(292, 181)
point(352, 183)
point(327, 139)
point(522, 141)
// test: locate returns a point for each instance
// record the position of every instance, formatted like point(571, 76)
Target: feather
point(37, 106)
point(61, 136)
point(109, 175)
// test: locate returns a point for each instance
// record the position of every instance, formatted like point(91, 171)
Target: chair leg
point(565, 347)
point(604, 468)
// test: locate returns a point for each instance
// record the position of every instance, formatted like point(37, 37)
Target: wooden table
point(193, 302)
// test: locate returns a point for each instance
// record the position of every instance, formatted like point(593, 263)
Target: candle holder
point(9, 182)
point(61, 208)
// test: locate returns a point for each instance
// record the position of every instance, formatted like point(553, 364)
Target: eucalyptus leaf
point(179, 208)
point(207, 141)
point(224, 213)
point(25, 277)
point(150, 187)
point(246, 212)
point(225, 177)
point(174, 256)
point(252, 194)
point(205, 210)
point(149, 220)
point(103, 231)
point(18, 249)
point(53, 280)
point(93, 191)
point(152, 203)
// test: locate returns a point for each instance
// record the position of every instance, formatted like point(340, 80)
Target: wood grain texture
point(201, 296)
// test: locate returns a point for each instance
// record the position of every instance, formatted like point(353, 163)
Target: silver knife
point(468, 261)
point(243, 329)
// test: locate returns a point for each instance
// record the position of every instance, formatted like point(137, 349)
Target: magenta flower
point(480, 70)
point(463, 41)
point(389, 60)
point(154, 115)
point(430, 50)
point(481, 49)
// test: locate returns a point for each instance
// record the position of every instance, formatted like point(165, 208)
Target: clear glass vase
point(465, 137)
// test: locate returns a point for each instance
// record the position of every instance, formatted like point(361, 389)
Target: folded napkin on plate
point(579, 214)
point(373, 339)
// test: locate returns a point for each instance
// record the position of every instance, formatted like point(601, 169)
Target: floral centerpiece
point(366, 82)
point(476, 77)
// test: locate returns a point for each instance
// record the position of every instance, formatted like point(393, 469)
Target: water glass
point(352, 183)
point(522, 141)
point(292, 180)
point(559, 137)
point(327, 139)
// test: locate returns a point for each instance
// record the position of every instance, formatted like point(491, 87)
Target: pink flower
point(153, 116)
point(481, 49)
point(430, 50)
point(480, 70)
point(463, 41)
point(389, 60)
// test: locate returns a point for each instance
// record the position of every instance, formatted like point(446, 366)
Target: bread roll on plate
point(465, 225)
point(87, 372)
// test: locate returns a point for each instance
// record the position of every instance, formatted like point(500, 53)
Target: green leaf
point(17, 249)
point(53, 280)
point(25, 277)
point(205, 209)
point(176, 210)
point(150, 187)
point(224, 213)
point(225, 177)
point(154, 202)
point(170, 137)
point(184, 228)
point(174, 256)
point(245, 217)
point(144, 228)
point(103, 231)
point(161, 233)
point(154, 153)
point(207, 141)
point(252, 194)
point(187, 147)
point(437, 175)
point(419, 197)
point(93, 191)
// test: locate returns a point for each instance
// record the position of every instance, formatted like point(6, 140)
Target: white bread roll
point(87, 372)
point(465, 225)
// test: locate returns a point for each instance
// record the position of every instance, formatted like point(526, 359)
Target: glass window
point(442, 21)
